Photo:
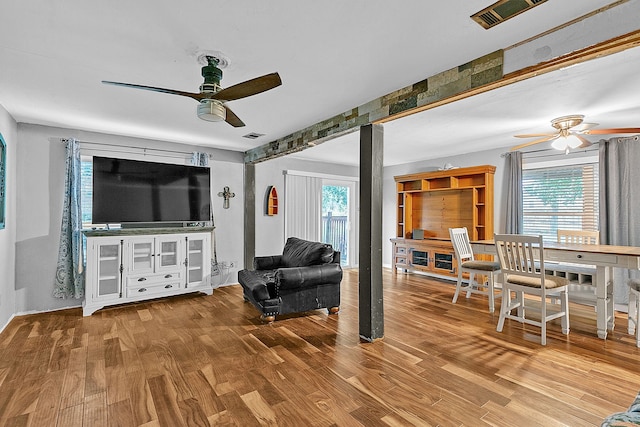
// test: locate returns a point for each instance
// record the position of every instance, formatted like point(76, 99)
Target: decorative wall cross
point(227, 195)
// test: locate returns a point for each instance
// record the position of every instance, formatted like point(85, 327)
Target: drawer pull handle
point(168, 287)
point(142, 279)
point(142, 290)
point(579, 256)
point(168, 276)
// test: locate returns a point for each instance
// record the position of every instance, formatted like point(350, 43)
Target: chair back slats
point(579, 236)
point(461, 244)
point(520, 254)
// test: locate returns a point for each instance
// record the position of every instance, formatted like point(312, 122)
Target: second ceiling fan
point(570, 133)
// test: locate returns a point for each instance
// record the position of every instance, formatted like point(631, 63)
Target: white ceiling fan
point(569, 134)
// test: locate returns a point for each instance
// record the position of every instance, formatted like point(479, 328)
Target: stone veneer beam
point(479, 72)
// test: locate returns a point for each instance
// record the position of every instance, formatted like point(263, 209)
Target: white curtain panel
point(302, 207)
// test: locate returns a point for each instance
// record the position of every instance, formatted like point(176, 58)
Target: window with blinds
point(562, 197)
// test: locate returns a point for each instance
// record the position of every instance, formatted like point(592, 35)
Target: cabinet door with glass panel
point(198, 260)
point(106, 256)
point(168, 254)
point(155, 254)
point(141, 254)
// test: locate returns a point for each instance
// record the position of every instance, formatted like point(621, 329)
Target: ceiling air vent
point(502, 10)
point(253, 135)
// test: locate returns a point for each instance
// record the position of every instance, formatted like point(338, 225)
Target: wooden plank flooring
point(201, 360)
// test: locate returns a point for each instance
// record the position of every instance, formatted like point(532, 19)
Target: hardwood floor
point(208, 360)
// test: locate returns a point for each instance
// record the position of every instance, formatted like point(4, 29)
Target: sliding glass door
point(338, 218)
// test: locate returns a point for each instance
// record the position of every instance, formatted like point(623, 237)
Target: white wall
point(229, 223)
point(491, 157)
point(9, 131)
point(270, 229)
point(270, 236)
point(40, 180)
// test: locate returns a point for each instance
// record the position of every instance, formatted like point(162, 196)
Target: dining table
point(603, 257)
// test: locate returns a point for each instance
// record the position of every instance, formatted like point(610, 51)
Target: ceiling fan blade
point(611, 131)
point(232, 119)
point(196, 96)
point(581, 128)
point(533, 135)
point(248, 88)
point(535, 141)
point(585, 142)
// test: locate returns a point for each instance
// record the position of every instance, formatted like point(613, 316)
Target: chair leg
point(268, 319)
point(504, 306)
point(491, 297)
point(458, 286)
point(520, 298)
point(472, 277)
point(543, 320)
point(565, 310)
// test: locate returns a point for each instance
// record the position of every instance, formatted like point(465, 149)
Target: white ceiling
point(332, 56)
point(604, 90)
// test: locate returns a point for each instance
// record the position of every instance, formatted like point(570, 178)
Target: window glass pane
point(563, 197)
point(86, 190)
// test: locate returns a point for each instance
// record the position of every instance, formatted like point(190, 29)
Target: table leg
point(602, 306)
point(633, 303)
point(610, 303)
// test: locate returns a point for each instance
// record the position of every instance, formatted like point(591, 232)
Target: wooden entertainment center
point(430, 203)
point(127, 265)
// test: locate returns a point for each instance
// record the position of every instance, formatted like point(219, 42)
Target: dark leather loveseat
point(305, 277)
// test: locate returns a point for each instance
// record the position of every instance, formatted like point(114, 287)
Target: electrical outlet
point(233, 264)
point(215, 270)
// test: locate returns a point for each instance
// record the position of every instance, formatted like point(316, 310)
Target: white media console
point(127, 265)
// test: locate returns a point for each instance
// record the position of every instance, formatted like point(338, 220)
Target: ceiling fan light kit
point(566, 142)
point(211, 110)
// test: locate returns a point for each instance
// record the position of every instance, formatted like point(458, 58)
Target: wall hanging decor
point(272, 201)
point(227, 195)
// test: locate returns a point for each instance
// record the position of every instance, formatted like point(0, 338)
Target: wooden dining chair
point(583, 237)
point(475, 268)
point(522, 263)
point(582, 289)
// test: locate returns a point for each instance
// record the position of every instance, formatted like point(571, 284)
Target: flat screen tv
point(132, 191)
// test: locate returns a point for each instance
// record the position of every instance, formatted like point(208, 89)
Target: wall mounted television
point(139, 192)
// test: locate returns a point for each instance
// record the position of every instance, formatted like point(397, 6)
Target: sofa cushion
point(304, 277)
point(302, 253)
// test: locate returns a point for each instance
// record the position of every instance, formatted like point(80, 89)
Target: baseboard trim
point(7, 324)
